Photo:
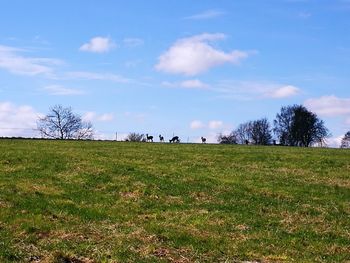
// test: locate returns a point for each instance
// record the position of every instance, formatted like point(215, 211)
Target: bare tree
point(243, 132)
point(261, 132)
point(62, 123)
point(257, 132)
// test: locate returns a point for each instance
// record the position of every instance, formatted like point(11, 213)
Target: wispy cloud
point(93, 116)
point(98, 45)
point(87, 75)
point(58, 90)
point(251, 90)
point(208, 14)
point(242, 90)
point(186, 84)
point(194, 55)
point(133, 42)
point(193, 84)
point(212, 125)
point(215, 124)
point(13, 60)
point(196, 124)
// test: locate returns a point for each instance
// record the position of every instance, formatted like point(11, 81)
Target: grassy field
point(70, 201)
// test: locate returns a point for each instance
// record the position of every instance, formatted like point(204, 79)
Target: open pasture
point(89, 201)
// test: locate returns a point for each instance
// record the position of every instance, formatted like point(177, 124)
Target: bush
point(135, 137)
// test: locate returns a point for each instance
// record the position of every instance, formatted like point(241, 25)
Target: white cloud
point(212, 125)
point(98, 45)
point(334, 142)
point(329, 105)
point(59, 90)
point(187, 84)
point(245, 90)
point(193, 84)
point(248, 90)
point(12, 60)
point(106, 117)
point(96, 76)
point(283, 92)
point(196, 124)
point(215, 125)
point(93, 116)
point(208, 14)
point(18, 120)
point(193, 55)
point(133, 42)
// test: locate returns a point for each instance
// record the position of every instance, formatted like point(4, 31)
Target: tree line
point(294, 125)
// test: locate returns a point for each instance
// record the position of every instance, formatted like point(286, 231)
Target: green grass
point(75, 201)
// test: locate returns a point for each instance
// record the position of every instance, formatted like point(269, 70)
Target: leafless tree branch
point(62, 123)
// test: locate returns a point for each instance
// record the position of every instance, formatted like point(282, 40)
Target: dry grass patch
point(42, 188)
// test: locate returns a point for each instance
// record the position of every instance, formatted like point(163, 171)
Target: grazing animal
point(149, 138)
point(204, 140)
point(161, 138)
point(175, 139)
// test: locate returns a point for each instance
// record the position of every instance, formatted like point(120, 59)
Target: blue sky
point(191, 68)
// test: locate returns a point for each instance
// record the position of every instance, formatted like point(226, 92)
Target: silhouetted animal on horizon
point(149, 138)
point(175, 139)
point(204, 140)
point(161, 138)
